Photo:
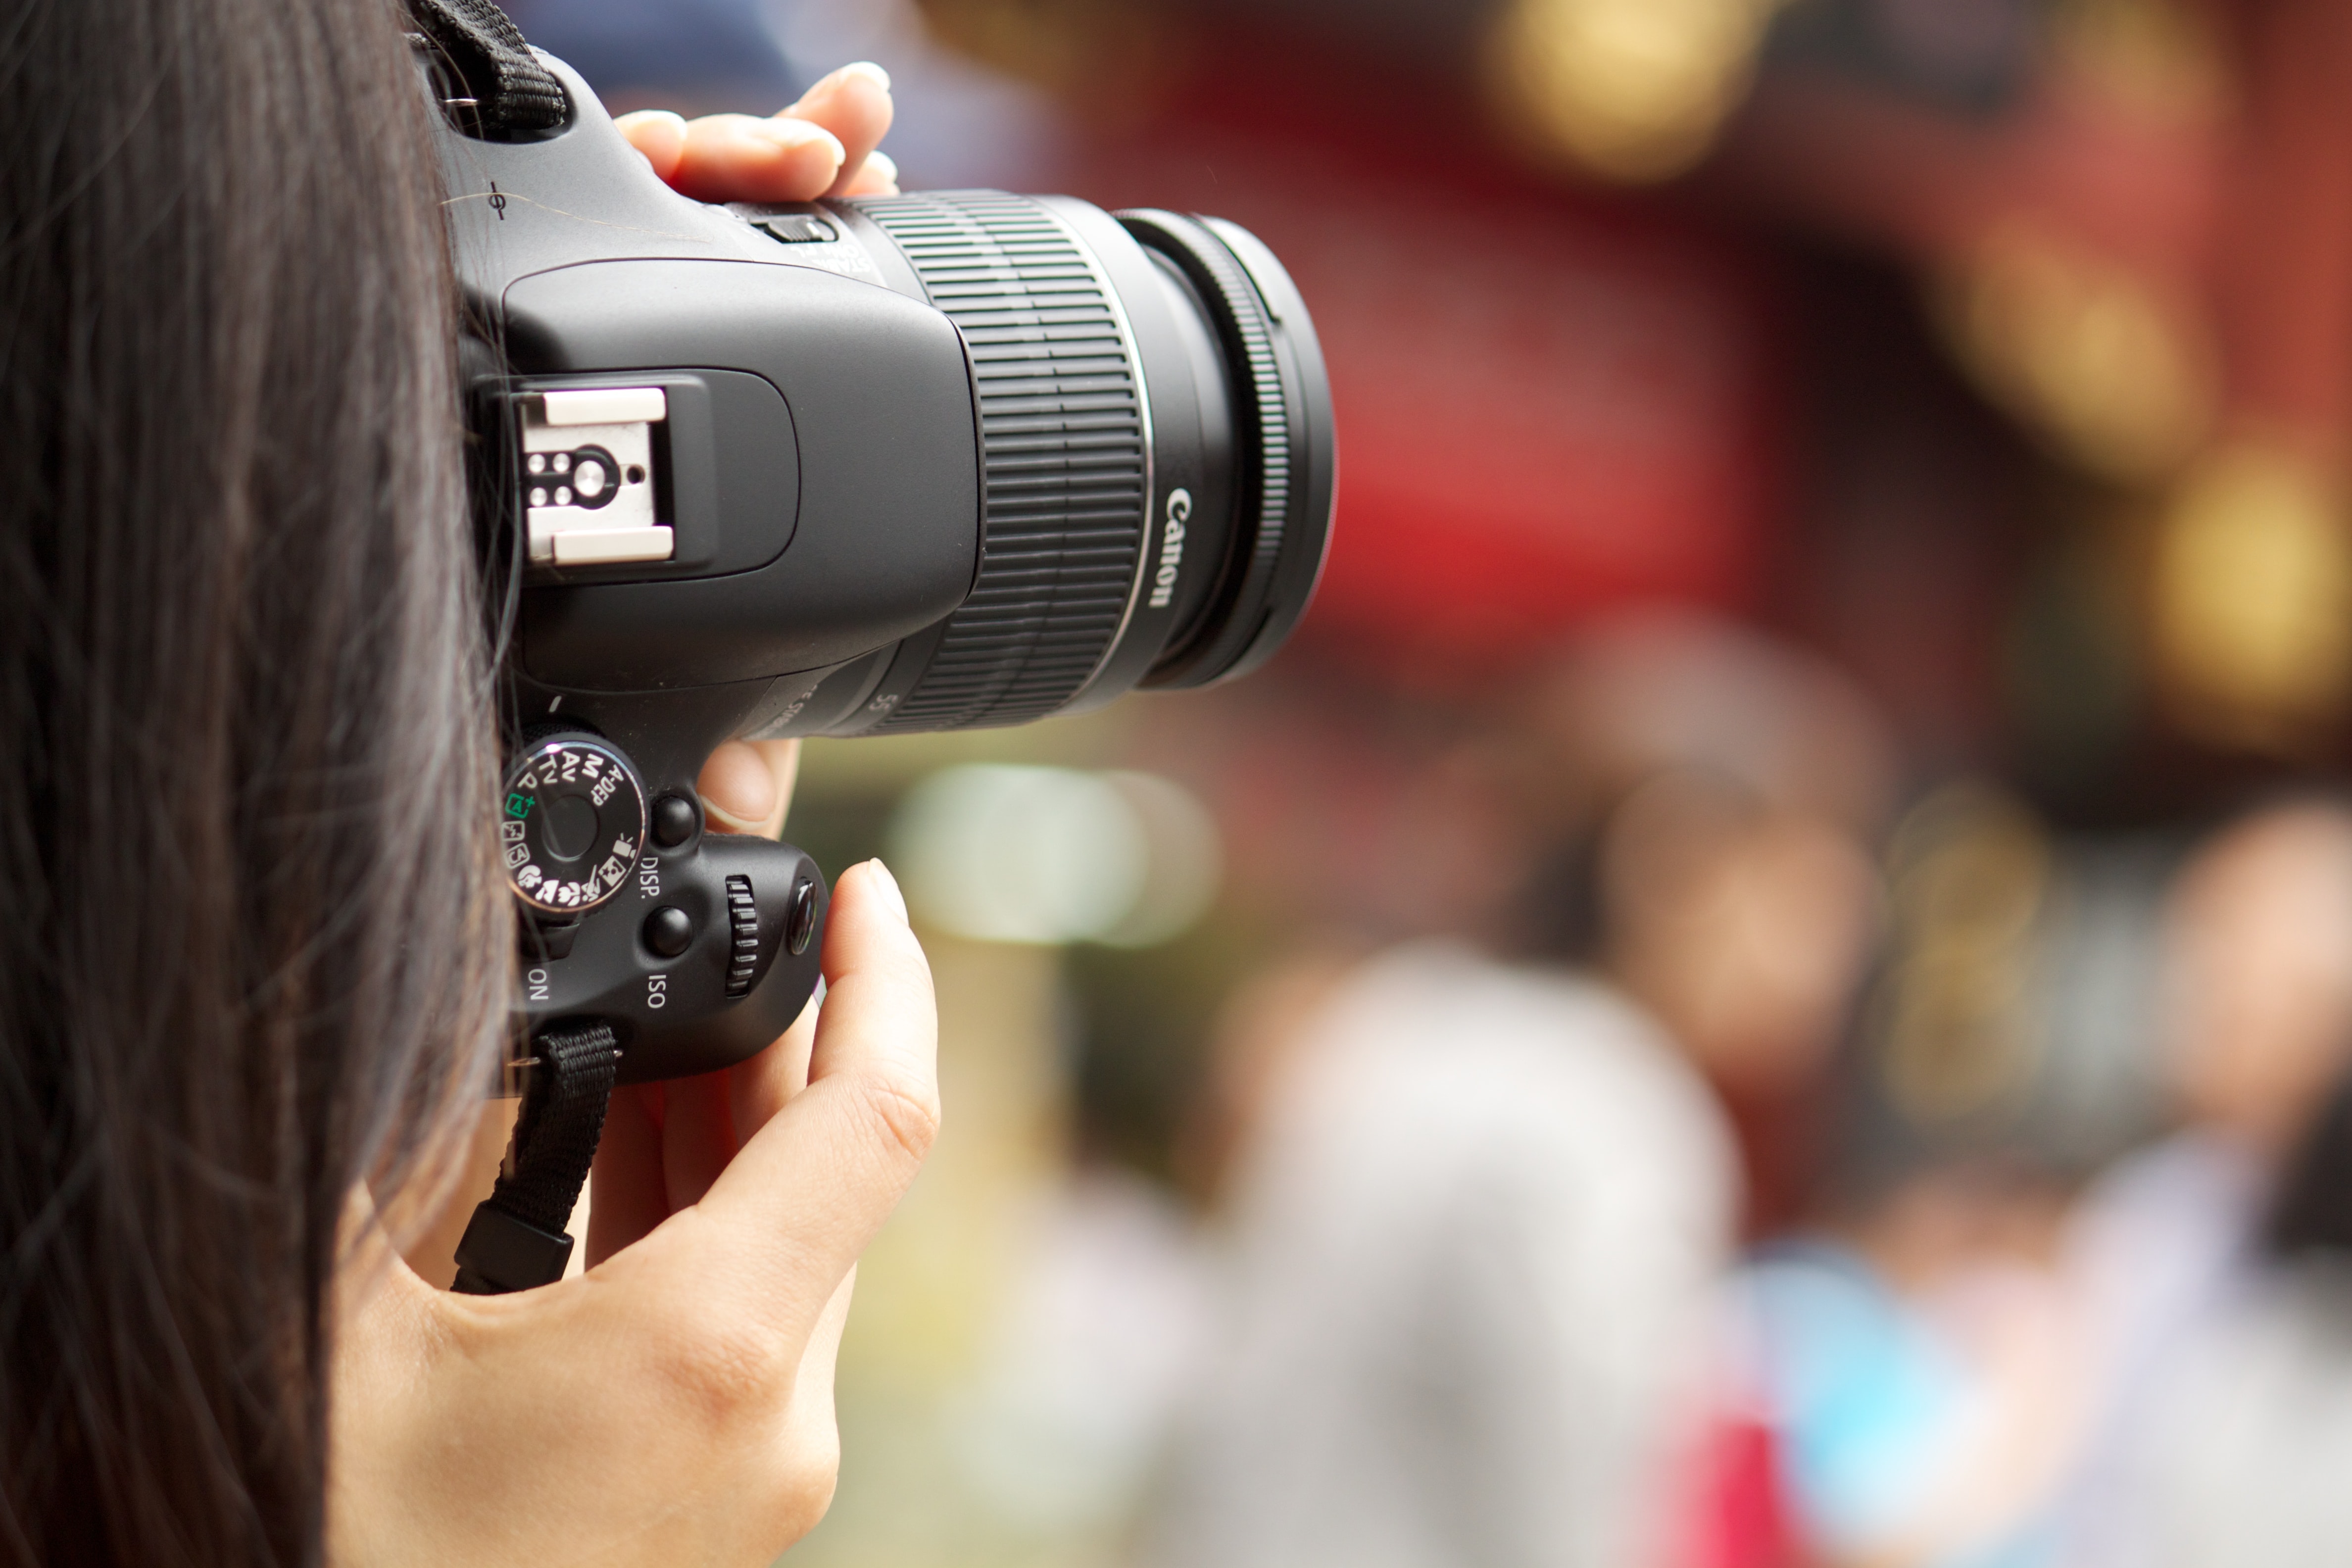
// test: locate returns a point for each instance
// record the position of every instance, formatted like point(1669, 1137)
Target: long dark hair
point(248, 946)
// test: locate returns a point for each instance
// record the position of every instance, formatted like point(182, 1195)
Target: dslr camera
point(866, 467)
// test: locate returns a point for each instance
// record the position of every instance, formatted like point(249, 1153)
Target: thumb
point(773, 1238)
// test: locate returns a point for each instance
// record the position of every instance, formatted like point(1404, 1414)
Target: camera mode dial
point(572, 823)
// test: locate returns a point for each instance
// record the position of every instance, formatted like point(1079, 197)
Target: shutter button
point(800, 923)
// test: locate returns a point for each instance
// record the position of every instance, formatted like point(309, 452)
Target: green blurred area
point(917, 1487)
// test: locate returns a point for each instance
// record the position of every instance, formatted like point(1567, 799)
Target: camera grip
point(710, 953)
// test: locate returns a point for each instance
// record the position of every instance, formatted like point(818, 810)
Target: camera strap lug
point(510, 89)
point(516, 1239)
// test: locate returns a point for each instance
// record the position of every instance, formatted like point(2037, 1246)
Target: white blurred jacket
point(1473, 1258)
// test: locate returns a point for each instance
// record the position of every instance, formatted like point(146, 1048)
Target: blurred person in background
point(1909, 1355)
point(1906, 1369)
point(1970, 1364)
point(1476, 1192)
point(2248, 1436)
point(2177, 1280)
point(1708, 801)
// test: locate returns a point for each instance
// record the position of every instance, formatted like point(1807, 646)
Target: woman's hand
point(675, 1403)
point(822, 146)
point(665, 1143)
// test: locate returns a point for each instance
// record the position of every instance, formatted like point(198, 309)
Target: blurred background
point(1768, 982)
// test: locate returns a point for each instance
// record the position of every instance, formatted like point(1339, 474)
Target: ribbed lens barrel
point(1065, 456)
point(1156, 453)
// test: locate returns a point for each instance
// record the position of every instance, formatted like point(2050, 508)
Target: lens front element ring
point(1283, 525)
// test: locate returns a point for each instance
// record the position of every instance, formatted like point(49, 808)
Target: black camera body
point(849, 467)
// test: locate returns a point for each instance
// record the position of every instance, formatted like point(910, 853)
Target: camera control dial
point(572, 823)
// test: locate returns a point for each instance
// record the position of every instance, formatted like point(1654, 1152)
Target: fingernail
point(867, 69)
point(888, 887)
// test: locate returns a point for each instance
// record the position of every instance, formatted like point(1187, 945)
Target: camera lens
point(1156, 453)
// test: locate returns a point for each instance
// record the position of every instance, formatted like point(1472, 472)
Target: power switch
point(800, 923)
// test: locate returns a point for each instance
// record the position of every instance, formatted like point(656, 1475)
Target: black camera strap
point(510, 90)
point(516, 1239)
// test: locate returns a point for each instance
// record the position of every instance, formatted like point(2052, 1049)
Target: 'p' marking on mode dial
point(572, 824)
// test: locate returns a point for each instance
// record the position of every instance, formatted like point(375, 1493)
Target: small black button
point(674, 821)
point(670, 932)
point(800, 923)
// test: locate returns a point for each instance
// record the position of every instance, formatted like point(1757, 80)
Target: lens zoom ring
point(1062, 444)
